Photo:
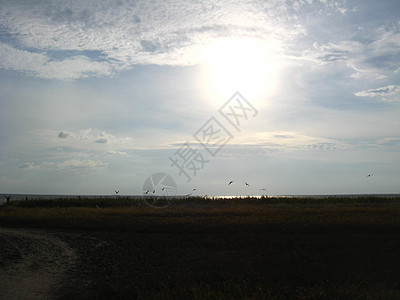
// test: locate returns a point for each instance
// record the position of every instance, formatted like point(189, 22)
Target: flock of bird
point(189, 194)
point(229, 183)
point(154, 191)
point(232, 181)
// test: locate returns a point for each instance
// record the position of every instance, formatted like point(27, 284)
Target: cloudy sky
point(99, 95)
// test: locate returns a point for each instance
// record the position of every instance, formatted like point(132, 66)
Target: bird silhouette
point(154, 191)
point(247, 184)
point(190, 194)
point(263, 189)
point(230, 182)
point(146, 192)
point(7, 198)
point(116, 192)
point(369, 175)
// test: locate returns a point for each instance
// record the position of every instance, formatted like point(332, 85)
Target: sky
point(294, 97)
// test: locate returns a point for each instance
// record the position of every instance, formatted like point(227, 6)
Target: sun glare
point(243, 65)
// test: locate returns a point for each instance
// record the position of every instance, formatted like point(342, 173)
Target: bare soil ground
point(39, 264)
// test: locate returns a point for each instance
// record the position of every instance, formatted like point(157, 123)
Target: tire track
point(33, 263)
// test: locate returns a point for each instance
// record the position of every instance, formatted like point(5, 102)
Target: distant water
point(341, 196)
point(319, 196)
point(52, 197)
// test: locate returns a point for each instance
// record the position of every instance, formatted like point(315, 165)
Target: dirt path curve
point(33, 263)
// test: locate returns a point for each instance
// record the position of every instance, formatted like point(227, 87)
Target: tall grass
point(200, 214)
point(208, 201)
point(239, 248)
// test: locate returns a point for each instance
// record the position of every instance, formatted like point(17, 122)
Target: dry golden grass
point(228, 249)
point(209, 214)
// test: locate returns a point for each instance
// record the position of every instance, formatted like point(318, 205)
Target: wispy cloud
point(73, 40)
point(333, 52)
point(288, 141)
point(138, 97)
point(372, 53)
point(115, 152)
point(277, 141)
point(58, 39)
point(81, 165)
point(389, 141)
point(29, 166)
point(386, 93)
point(86, 137)
point(40, 65)
point(101, 140)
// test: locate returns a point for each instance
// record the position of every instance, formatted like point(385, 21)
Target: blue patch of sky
point(134, 108)
point(337, 93)
point(357, 24)
point(8, 38)
point(320, 29)
point(56, 55)
point(383, 62)
point(376, 12)
point(96, 55)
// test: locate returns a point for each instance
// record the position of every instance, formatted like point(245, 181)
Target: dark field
point(269, 248)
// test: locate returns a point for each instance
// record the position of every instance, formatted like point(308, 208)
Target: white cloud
point(73, 68)
point(387, 93)
point(63, 135)
point(70, 40)
point(389, 141)
point(81, 165)
point(170, 32)
point(114, 152)
point(371, 53)
point(288, 141)
point(105, 138)
point(86, 137)
point(333, 52)
point(29, 166)
point(42, 66)
point(101, 140)
point(388, 42)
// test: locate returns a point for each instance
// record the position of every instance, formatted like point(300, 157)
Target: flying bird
point(369, 175)
point(190, 193)
point(230, 182)
point(154, 191)
point(116, 192)
point(263, 189)
point(7, 198)
point(146, 192)
point(247, 184)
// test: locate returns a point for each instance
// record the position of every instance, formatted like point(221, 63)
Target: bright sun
point(243, 65)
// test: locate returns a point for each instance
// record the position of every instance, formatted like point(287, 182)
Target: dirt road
point(34, 264)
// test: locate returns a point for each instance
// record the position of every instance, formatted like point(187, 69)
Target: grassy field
point(196, 248)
